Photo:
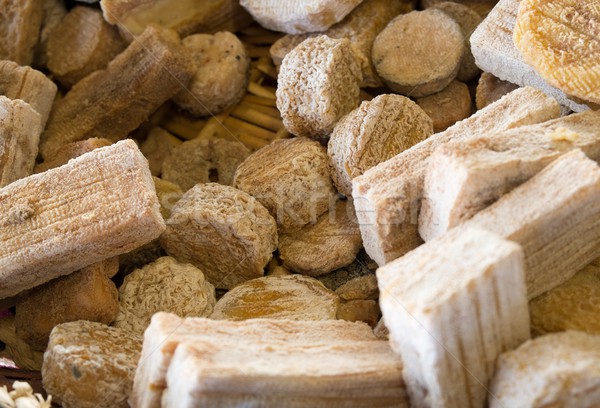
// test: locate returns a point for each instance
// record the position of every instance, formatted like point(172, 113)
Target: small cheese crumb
point(22, 396)
point(563, 134)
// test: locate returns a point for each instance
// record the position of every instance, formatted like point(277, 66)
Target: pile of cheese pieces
point(484, 224)
point(22, 395)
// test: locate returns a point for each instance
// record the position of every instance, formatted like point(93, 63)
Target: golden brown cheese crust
point(87, 294)
point(292, 297)
point(560, 40)
point(20, 24)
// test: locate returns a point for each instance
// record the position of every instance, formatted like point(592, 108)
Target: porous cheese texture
point(372, 133)
point(318, 83)
point(163, 286)
point(291, 179)
point(223, 231)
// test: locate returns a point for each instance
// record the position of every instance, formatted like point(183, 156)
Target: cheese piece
point(555, 216)
point(299, 16)
point(164, 285)
point(557, 370)
point(291, 297)
point(112, 102)
point(20, 22)
point(87, 294)
point(97, 206)
point(465, 177)
point(452, 306)
point(388, 196)
point(495, 52)
point(186, 17)
point(29, 85)
point(330, 362)
point(574, 305)
point(329, 244)
point(81, 44)
point(90, 365)
point(20, 129)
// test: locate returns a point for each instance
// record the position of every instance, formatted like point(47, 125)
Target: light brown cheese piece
point(112, 102)
point(299, 16)
point(95, 207)
point(87, 294)
point(20, 129)
point(574, 305)
point(20, 24)
point(448, 106)
point(291, 179)
point(90, 365)
point(29, 85)
point(419, 53)
point(292, 297)
point(318, 83)
point(359, 288)
point(374, 132)
point(360, 310)
point(82, 43)
point(221, 76)
point(187, 17)
point(224, 232)
point(556, 370)
point(329, 244)
point(490, 89)
point(164, 285)
point(54, 11)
